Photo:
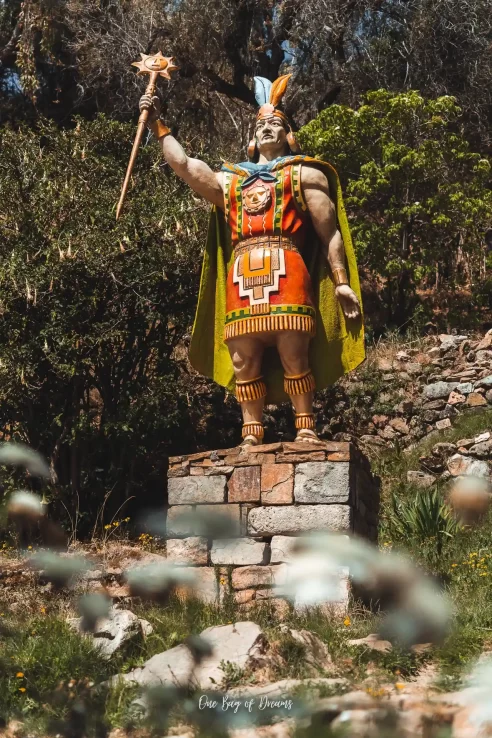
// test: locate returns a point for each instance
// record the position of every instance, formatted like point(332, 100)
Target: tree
point(419, 199)
point(95, 312)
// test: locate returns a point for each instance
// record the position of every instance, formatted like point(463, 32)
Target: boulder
point(315, 652)
point(372, 642)
point(459, 465)
point(439, 390)
point(420, 479)
point(242, 644)
point(116, 631)
point(475, 399)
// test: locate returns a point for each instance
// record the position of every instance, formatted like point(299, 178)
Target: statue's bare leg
point(293, 347)
point(247, 354)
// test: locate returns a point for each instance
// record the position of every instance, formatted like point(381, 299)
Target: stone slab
point(233, 511)
point(187, 551)
point(175, 526)
point(238, 552)
point(281, 548)
point(250, 577)
point(277, 484)
point(244, 484)
point(322, 482)
point(284, 519)
point(196, 490)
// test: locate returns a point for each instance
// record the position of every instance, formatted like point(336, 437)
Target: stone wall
point(271, 493)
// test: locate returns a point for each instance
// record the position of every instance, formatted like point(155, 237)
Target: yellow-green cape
point(338, 346)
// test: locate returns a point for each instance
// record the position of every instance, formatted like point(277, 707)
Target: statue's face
point(271, 134)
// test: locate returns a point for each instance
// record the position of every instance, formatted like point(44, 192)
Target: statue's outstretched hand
point(152, 104)
point(348, 300)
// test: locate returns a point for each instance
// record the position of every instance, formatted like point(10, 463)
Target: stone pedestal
point(271, 494)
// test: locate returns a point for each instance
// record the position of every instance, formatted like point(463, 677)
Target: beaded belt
point(265, 242)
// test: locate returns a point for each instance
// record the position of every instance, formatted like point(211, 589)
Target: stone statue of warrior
point(279, 310)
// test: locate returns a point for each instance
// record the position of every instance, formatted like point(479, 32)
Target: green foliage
point(93, 309)
point(424, 517)
point(418, 198)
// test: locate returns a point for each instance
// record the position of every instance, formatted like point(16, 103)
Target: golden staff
point(155, 66)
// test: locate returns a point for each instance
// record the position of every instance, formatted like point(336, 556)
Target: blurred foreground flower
point(470, 498)
point(17, 454)
point(478, 697)
point(91, 608)
point(59, 570)
point(415, 610)
point(157, 581)
point(25, 506)
point(207, 523)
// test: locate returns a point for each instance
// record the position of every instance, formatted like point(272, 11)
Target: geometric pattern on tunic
point(257, 274)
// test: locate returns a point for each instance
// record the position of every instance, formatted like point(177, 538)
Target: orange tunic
point(268, 285)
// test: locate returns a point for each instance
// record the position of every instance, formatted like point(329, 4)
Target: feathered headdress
point(268, 95)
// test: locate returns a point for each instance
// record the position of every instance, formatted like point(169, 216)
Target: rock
point(193, 550)
point(403, 356)
point(443, 449)
point(405, 407)
point(485, 356)
point(413, 368)
point(244, 484)
point(249, 577)
point(455, 398)
point(486, 342)
point(488, 396)
point(388, 433)
point(465, 442)
point(464, 388)
point(277, 484)
point(430, 416)
point(449, 412)
point(434, 405)
point(315, 651)
point(482, 437)
point(481, 450)
point(372, 441)
point(193, 490)
point(380, 420)
point(282, 729)
point(318, 482)
point(282, 520)
point(466, 725)
point(443, 424)
point(372, 642)
point(281, 548)
point(420, 479)
point(459, 465)
point(238, 551)
point(439, 390)
point(432, 463)
point(484, 382)
point(114, 632)
point(400, 425)
point(242, 644)
point(454, 341)
point(475, 399)
point(180, 527)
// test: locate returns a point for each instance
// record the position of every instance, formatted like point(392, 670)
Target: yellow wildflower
point(399, 685)
point(22, 689)
point(346, 622)
point(19, 674)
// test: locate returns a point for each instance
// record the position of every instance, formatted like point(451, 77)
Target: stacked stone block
point(271, 493)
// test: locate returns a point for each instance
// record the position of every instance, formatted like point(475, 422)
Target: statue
point(279, 305)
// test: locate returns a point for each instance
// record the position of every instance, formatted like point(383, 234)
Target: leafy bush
point(423, 518)
point(95, 311)
point(418, 198)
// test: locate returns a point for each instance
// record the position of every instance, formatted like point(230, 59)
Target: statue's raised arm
point(196, 173)
point(279, 270)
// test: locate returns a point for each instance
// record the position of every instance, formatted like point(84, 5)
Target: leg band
point(250, 389)
point(300, 384)
point(305, 421)
point(253, 429)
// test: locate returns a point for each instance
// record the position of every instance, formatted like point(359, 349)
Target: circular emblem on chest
point(257, 198)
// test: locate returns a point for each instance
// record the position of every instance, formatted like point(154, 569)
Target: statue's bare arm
point(194, 172)
point(322, 211)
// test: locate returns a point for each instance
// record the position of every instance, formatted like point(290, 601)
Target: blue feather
point(262, 90)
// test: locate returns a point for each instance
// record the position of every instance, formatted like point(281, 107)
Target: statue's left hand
point(348, 300)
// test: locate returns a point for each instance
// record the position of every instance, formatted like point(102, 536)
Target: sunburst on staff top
point(156, 63)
